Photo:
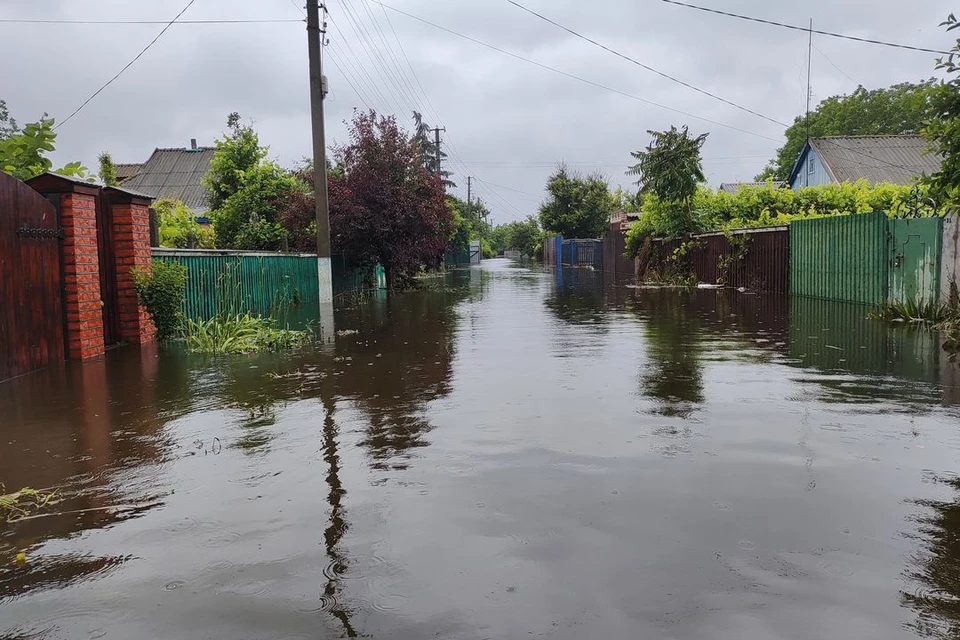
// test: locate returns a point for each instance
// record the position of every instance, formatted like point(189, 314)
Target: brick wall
point(130, 230)
point(131, 244)
point(81, 273)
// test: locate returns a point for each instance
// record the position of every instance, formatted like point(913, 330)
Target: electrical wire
point(569, 75)
point(834, 65)
point(127, 66)
point(180, 22)
point(645, 66)
point(805, 29)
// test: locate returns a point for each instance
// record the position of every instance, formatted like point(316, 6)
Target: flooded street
point(507, 454)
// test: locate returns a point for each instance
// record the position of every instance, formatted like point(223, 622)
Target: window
point(811, 163)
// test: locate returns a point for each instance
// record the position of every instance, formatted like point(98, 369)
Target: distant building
point(733, 187)
point(621, 220)
point(173, 173)
point(894, 159)
point(127, 171)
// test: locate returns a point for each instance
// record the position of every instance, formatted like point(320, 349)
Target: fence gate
point(915, 259)
point(31, 311)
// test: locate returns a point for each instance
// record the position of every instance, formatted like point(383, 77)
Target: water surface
point(507, 454)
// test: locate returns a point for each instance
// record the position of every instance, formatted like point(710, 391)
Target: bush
point(767, 206)
point(179, 228)
point(161, 290)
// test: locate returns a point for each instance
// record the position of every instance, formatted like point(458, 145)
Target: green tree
point(8, 126)
point(108, 170)
point(179, 228)
point(669, 170)
point(23, 152)
point(247, 191)
point(523, 236)
point(942, 128)
point(577, 207)
point(898, 109)
point(470, 223)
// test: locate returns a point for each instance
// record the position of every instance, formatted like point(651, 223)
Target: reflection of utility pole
point(337, 526)
point(315, 35)
point(469, 185)
point(436, 133)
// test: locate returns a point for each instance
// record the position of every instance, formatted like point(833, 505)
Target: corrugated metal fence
point(232, 282)
point(840, 258)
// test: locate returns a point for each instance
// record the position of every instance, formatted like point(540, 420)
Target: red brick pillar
point(77, 205)
point(130, 213)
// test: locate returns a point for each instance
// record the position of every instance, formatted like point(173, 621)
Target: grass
point(26, 502)
point(242, 333)
point(917, 311)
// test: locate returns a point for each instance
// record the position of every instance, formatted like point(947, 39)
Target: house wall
point(811, 176)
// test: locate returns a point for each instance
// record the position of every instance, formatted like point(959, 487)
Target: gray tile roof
point(895, 159)
point(733, 187)
point(127, 171)
point(176, 174)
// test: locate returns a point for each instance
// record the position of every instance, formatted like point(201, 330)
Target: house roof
point(733, 187)
point(127, 171)
point(895, 159)
point(176, 174)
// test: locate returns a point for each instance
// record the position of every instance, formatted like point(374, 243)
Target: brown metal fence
point(754, 259)
point(614, 259)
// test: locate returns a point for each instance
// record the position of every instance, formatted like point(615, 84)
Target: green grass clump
point(242, 333)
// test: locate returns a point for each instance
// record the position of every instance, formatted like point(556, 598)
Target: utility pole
point(315, 35)
point(806, 118)
point(469, 185)
point(436, 133)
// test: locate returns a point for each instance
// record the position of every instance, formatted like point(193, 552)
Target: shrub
point(161, 290)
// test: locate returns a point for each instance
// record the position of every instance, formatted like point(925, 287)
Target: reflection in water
point(673, 374)
point(578, 297)
point(400, 360)
point(936, 569)
point(337, 527)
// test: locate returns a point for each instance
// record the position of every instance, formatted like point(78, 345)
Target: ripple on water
point(174, 585)
point(221, 539)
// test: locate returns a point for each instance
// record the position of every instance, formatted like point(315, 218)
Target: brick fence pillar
point(77, 205)
point(130, 213)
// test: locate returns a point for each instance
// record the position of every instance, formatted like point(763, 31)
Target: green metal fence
point(232, 282)
point(840, 258)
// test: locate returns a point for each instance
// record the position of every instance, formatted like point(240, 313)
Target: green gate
point(840, 258)
point(915, 260)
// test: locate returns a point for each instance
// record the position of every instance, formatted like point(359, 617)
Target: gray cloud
point(507, 121)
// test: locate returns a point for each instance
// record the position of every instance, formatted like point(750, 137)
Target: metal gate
point(915, 259)
point(31, 311)
point(109, 301)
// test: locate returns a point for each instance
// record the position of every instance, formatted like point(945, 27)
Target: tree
point(23, 152)
point(670, 169)
point(578, 207)
point(179, 228)
point(247, 191)
point(942, 128)
point(8, 126)
point(523, 236)
point(385, 206)
point(433, 156)
point(470, 223)
point(898, 109)
point(108, 171)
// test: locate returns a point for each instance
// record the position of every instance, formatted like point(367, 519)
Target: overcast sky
point(508, 121)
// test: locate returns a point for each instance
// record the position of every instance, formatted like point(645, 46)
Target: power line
point(645, 66)
point(127, 66)
point(833, 64)
point(212, 21)
point(569, 75)
point(805, 29)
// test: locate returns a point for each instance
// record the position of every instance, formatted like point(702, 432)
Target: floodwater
point(508, 454)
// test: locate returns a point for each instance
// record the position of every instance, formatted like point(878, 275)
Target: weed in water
point(244, 333)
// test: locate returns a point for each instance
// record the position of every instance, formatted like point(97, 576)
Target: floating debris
point(347, 332)
point(26, 502)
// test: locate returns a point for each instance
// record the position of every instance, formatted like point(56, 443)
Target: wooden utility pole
point(436, 133)
point(469, 185)
point(315, 34)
